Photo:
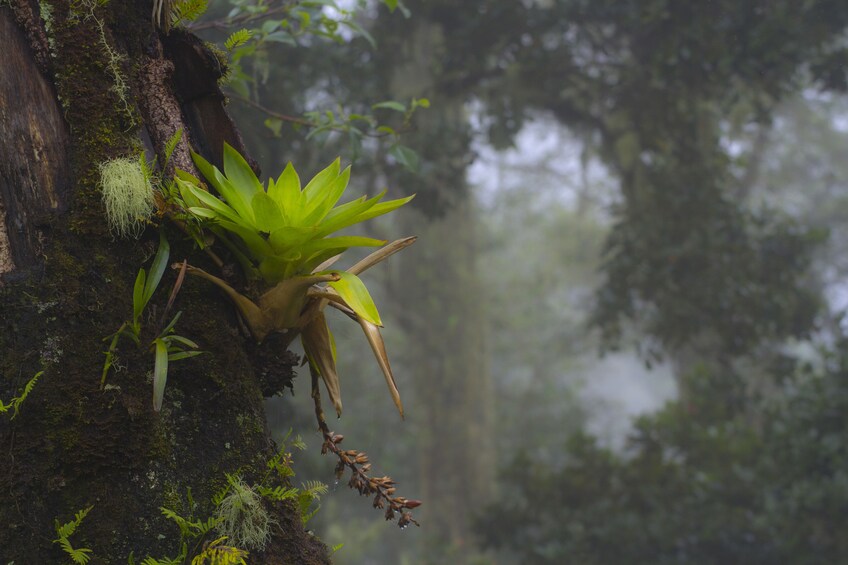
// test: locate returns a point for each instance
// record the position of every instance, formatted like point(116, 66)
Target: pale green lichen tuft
point(244, 519)
point(127, 194)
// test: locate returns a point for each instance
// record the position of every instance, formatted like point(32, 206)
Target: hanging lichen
point(127, 195)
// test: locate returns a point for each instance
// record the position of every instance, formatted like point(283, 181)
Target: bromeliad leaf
point(353, 292)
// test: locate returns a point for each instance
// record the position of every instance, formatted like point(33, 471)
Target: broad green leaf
point(160, 373)
point(240, 174)
point(321, 180)
point(287, 194)
point(185, 192)
point(266, 212)
point(285, 238)
point(257, 244)
point(356, 295)
point(406, 157)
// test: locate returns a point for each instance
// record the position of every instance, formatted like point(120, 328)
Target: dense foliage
point(704, 481)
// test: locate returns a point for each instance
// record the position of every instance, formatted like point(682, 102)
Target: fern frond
point(278, 493)
point(80, 556)
point(217, 554)
point(238, 39)
point(181, 522)
point(187, 11)
point(315, 488)
point(15, 403)
point(171, 145)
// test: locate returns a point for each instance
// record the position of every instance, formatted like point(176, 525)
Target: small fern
point(80, 556)
point(215, 553)
point(237, 39)
point(15, 403)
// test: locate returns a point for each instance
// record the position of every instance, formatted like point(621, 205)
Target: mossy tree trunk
point(82, 82)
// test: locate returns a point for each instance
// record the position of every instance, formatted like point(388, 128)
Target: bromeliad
point(283, 239)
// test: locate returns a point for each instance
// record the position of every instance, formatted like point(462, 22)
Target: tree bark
point(76, 89)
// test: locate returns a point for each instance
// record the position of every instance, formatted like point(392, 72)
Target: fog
point(618, 338)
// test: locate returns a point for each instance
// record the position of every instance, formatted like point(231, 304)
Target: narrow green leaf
point(138, 294)
point(160, 373)
point(325, 198)
point(181, 340)
point(218, 206)
point(356, 295)
point(184, 355)
point(157, 269)
point(376, 209)
point(237, 197)
point(347, 214)
point(171, 324)
point(390, 105)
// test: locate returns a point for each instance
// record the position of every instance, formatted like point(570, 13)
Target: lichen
point(127, 195)
point(244, 519)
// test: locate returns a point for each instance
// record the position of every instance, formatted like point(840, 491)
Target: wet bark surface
point(68, 284)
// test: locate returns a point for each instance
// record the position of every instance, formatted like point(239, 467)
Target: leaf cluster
point(167, 346)
point(283, 237)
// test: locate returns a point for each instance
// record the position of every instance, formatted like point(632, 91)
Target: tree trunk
point(82, 82)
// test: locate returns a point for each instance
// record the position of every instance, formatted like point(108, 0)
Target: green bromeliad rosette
point(283, 238)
